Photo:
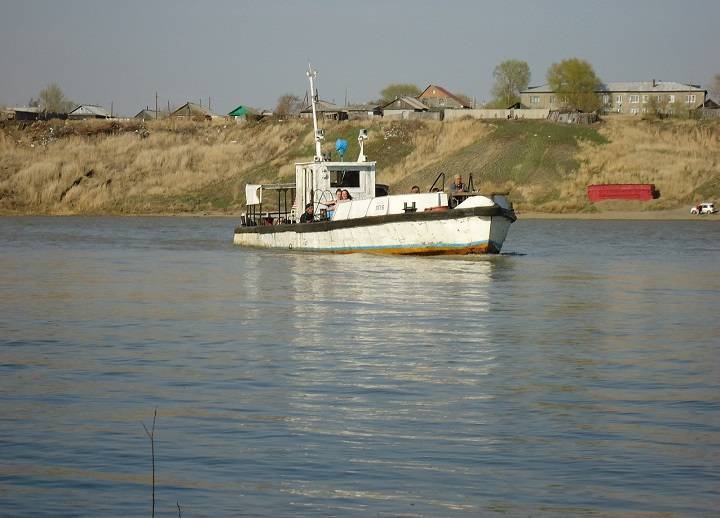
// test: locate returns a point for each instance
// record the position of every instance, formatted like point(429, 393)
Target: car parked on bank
point(703, 208)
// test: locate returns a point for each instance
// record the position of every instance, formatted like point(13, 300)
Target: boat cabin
point(316, 182)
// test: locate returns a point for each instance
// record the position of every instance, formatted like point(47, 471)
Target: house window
point(634, 111)
point(634, 99)
point(535, 99)
point(690, 98)
point(672, 99)
point(552, 99)
point(618, 99)
point(658, 98)
point(606, 99)
point(645, 99)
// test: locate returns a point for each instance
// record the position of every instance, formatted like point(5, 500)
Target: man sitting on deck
point(309, 214)
point(458, 185)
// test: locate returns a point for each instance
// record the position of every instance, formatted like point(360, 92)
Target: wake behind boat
point(372, 220)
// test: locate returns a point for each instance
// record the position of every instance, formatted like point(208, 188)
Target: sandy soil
point(674, 214)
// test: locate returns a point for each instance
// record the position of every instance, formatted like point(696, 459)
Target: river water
point(577, 373)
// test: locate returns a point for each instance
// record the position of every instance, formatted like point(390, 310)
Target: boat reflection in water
point(366, 349)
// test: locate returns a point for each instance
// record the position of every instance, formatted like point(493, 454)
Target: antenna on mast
point(319, 133)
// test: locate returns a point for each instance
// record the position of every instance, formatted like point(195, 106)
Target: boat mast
point(318, 133)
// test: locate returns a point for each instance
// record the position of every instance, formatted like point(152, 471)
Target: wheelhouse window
point(344, 178)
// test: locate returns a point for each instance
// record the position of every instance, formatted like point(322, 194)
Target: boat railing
point(442, 184)
point(282, 213)
point(322, 197)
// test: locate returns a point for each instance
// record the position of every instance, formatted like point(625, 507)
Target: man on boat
point(458, 185)
point(309, 214)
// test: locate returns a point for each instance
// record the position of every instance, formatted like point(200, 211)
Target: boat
point(374, 221)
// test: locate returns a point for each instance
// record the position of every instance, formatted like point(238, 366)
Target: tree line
point(574, 80)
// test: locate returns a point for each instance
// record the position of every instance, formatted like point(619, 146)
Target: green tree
point(53, 100)
point(574, 81)
point(511, 77)
point(395, 90)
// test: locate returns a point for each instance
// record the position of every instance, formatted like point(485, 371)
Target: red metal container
point(622, 191)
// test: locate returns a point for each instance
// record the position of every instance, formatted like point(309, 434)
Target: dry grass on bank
point(173, 166)
point(681, 157)
point(92, 170)
point(432, 144)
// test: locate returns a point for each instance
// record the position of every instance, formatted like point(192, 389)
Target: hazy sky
point(251, 52)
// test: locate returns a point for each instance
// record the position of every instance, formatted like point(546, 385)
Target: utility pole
point(111, 109)
point(156, 106)
point(209, 109)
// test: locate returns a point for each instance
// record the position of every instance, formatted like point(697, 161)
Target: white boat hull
point(471, 231)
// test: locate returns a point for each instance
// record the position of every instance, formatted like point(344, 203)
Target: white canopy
point(253, 194)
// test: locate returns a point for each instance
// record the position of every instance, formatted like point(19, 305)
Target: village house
point(23, 113)
point(242, 113)
point(88, 111)
point(192, 110)
point(631, 98)
point(404, 108)
point(325, 110)
point(362, 111)
point(147, 114)
point(438, 97)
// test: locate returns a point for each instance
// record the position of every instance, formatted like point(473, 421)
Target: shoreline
point(681, 214)
point(657, 215)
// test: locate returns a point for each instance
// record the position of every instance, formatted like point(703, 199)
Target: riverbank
point(171, 167)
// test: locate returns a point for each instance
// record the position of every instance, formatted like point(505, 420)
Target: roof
point(147, 113)
point(26, 109)
point(322, 106)
point(90, 109)
point(410, 101)
point(192, 109)
point(442, 93)
point(628, 86)
point(360, 107)
point(240, 111)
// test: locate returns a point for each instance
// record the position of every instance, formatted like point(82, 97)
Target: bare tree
point(657, 107)
point(714, 89)
point(53, 100)
point(288, 104)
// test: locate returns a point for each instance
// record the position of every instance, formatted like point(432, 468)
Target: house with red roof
point(438, 97)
